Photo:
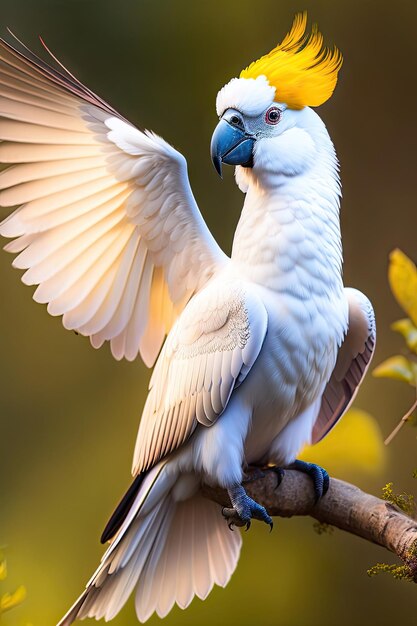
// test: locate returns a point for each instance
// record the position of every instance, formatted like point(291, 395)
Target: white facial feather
point(298, 140)
point(289, 154)
point(250, 96)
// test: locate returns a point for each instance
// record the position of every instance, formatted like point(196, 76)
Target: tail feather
point(122, 510)
point(170, 550)
point(201, 552)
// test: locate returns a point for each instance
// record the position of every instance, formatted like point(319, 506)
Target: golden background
point(69, 414)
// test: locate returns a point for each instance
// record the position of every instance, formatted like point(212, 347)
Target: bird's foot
point(244, 509)
point(318, 475)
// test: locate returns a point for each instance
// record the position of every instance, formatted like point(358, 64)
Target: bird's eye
point(235, 120)
point(272, 116)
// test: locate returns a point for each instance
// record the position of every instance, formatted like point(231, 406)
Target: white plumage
point(207, 355)
point(103, 206)
point(265, 350)
point(170, 547)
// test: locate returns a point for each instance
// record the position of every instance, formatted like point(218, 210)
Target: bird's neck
point(288, 237)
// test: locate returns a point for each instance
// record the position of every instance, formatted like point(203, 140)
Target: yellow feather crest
point(302, 70)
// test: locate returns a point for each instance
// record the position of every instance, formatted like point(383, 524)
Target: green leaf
point(10, 600)
point(398, 368)
point(402, 276)
point(407, 329)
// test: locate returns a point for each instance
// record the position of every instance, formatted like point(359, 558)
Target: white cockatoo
point(264, 350)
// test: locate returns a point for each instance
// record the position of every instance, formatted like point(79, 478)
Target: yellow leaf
point(402, 276)
point(407, 329)
point(354, 444)
point(10, 600)
point(398, 368)
point(3, 566)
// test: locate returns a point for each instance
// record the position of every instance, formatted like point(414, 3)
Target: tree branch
point(344, 506)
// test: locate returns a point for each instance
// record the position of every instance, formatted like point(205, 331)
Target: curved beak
point(231, 145)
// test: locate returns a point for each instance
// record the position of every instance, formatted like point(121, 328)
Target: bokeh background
point(69, 414)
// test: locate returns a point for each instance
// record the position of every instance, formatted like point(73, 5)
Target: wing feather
point(106, 224)
point(193, 377)
point(19, 111)
point(354, 358)
point(85, 193)
point(16, 86)
point(91, 273)
point(37, 189)
point(136, 326)
point(18, 174)
point(11, 130)
point(33, 153)
point(124, 286)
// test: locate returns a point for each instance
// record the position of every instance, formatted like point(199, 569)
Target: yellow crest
point(302, 70)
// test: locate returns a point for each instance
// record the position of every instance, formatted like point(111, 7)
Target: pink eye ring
point(272, 116)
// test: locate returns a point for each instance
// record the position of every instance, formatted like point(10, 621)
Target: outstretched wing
point(106, 223)
point(354, 358)
point(209, 351)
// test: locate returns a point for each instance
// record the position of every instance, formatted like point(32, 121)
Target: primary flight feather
point(264, 350)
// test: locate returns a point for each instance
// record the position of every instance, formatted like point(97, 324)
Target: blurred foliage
point(400, 572)
point(407, 329)
point(398, 368)
point(356, 442)
point(321, 528)
point(69, 414)
point(402, 276)
point(9, 600)
point(403, 501)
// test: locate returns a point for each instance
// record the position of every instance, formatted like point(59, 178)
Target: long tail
point(170, 549)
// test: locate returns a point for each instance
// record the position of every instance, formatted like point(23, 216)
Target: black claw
point(232, 518)
point(248, 524)
point(271, 526)
point(279, 473)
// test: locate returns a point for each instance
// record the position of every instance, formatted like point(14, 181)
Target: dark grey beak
point(231, 145)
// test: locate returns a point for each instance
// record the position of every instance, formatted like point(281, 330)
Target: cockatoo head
point(266, 122)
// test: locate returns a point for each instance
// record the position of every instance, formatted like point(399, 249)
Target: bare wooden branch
point(344, 506)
